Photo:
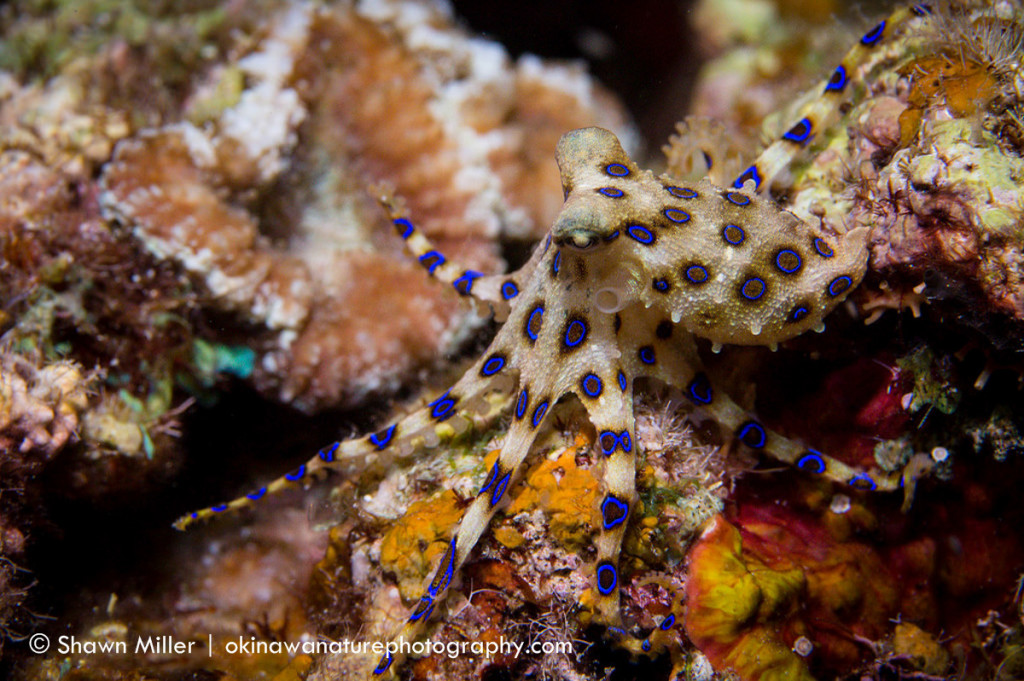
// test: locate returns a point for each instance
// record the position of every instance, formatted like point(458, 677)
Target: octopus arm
point(472, 398)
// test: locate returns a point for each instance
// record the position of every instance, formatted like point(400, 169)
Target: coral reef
point(185, 195)
point(929, 159)
point(284, 234)
point(40, 406)
point(188, 193)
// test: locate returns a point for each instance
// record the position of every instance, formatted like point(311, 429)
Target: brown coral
point(272, 214)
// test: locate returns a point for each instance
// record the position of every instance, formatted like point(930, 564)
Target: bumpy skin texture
point(731, 267)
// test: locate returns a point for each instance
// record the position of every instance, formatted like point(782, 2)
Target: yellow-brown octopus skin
point(634, 268)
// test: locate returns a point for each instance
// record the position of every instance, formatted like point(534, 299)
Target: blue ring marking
point(383, 438)
point(509, 290)
point(608, 520)
point(491, 477)
point(612, 237)
point(750, 173)
point(385, 661)
point(736, 198)
point(592, 385)
point(296, 474)
point(612, 192)
point(812, 457)
point(800, 132)
point(258, 494)
point(822, 247)
point(435, 260)
point(839, 285)
point(622, 381)
point(423, 609)
point(524, 399)
point(547, 243)
point(863, 481)
point(778, 260)
point(493, 365)
point(646, 645)
point(616, 170)
point(661, 285)
point(677, 216)
point(575, 326)
point(668, 622)
point(682, 192)
point(608, 449)
point(755, 429)
point(619, 631)
point(752, 295)
point(539, 310)
point(195, 514)
point(219, 508)
point(697, 274)
point(646, 354)
point(641, 234)
point(499, 490)
point(699, 390)
point(728, 233)
point(444, 575)
point(464, 284)
point(442, 406)
point(798, 313)
point(837, 81)
point(921, 9)
point(873, 36)
point(538, 413)
point(625, 442)
point(404, 227)
point(327, 453)
point(605, 572)
point(556, 262)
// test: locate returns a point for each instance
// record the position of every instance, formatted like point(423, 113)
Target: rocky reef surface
point(197, 287)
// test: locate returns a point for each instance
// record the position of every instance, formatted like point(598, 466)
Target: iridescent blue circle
point(575, 328)
point(863, 481)
point(641, 234)
point(730, 235)
point(677, 216)
point(822, 247)
point(493, 365)
point(737, 198)
point(697, 274)
point(839, 285)
point(812, 461)
point(607, 578)
point(753, 288)
point(682, 192)
point(753, 435)
point(783, 254)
